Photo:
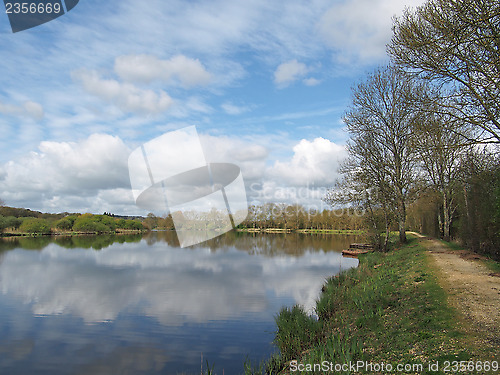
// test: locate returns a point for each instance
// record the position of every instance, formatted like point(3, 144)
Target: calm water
point(142, 305)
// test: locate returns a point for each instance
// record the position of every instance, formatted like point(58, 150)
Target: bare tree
point(456, 43)
point(439, 143)
point(365, 189)
point(381, 121)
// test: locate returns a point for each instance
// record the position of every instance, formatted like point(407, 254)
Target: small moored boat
point(358, 248)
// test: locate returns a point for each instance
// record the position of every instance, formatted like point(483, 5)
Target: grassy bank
point(388, 310)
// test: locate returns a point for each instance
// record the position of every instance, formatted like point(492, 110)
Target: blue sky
point(265, 83)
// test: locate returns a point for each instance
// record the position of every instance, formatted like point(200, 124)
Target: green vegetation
point(390, 309)
point(66, 223)
point(35, 223)
point(35, 226)
point(9, 222)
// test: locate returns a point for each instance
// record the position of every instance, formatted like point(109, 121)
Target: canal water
point(140, 304)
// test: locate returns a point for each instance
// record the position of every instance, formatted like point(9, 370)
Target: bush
point(121, 223)
point(296, 332)
point(35, 226)
point(129, 224)
point(89, 224)
point(9, 222)
point(134, 224)
point(65, 223)
point(106, 220)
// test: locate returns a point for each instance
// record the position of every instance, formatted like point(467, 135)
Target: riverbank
point(289, 230)
point(390, 310)
point(70, 233)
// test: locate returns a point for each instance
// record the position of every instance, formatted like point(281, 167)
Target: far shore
point(289, 230)
point(136, 231)
point(69, 233)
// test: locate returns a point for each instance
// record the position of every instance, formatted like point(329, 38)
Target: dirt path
point(472, 288)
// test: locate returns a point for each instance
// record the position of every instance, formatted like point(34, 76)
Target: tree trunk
point(474, 242)
point(446, 218)
point(387, 230)
point(402, 221)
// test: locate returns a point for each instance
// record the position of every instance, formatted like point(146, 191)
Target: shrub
point(134, 224)
point(106, 220)
point(65, 223)
point(121, 223)
point(89, 224)
point(9, 222)
point(35, 226)
point(2, 223)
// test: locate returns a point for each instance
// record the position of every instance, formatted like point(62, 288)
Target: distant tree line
point(425, 131)
point(296, 217)
point(274, 216)
point(20, 220)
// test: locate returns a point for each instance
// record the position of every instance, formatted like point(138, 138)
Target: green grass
point(492, 265)
point(452, 245)
point(390, 309)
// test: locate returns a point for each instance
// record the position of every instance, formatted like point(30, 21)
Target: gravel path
point(472, 288)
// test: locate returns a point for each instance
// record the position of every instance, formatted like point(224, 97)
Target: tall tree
point(441, 148)
point(380, 121)
point(457, 44)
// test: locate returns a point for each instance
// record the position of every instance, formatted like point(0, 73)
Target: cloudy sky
point(265, 83)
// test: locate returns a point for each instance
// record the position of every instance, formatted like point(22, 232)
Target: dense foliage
point(35, 226)
point(39, 223)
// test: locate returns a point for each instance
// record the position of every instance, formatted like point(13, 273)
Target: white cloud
point(289, 72)
point(247, 155)
point(147, 68)
point(125, 96)
point(302, 178)
point(232, 109)
point(358, 30)
point(311, 81)
point(314, 162)
point(68, 175)
point(27, 109)
point(92, 175)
